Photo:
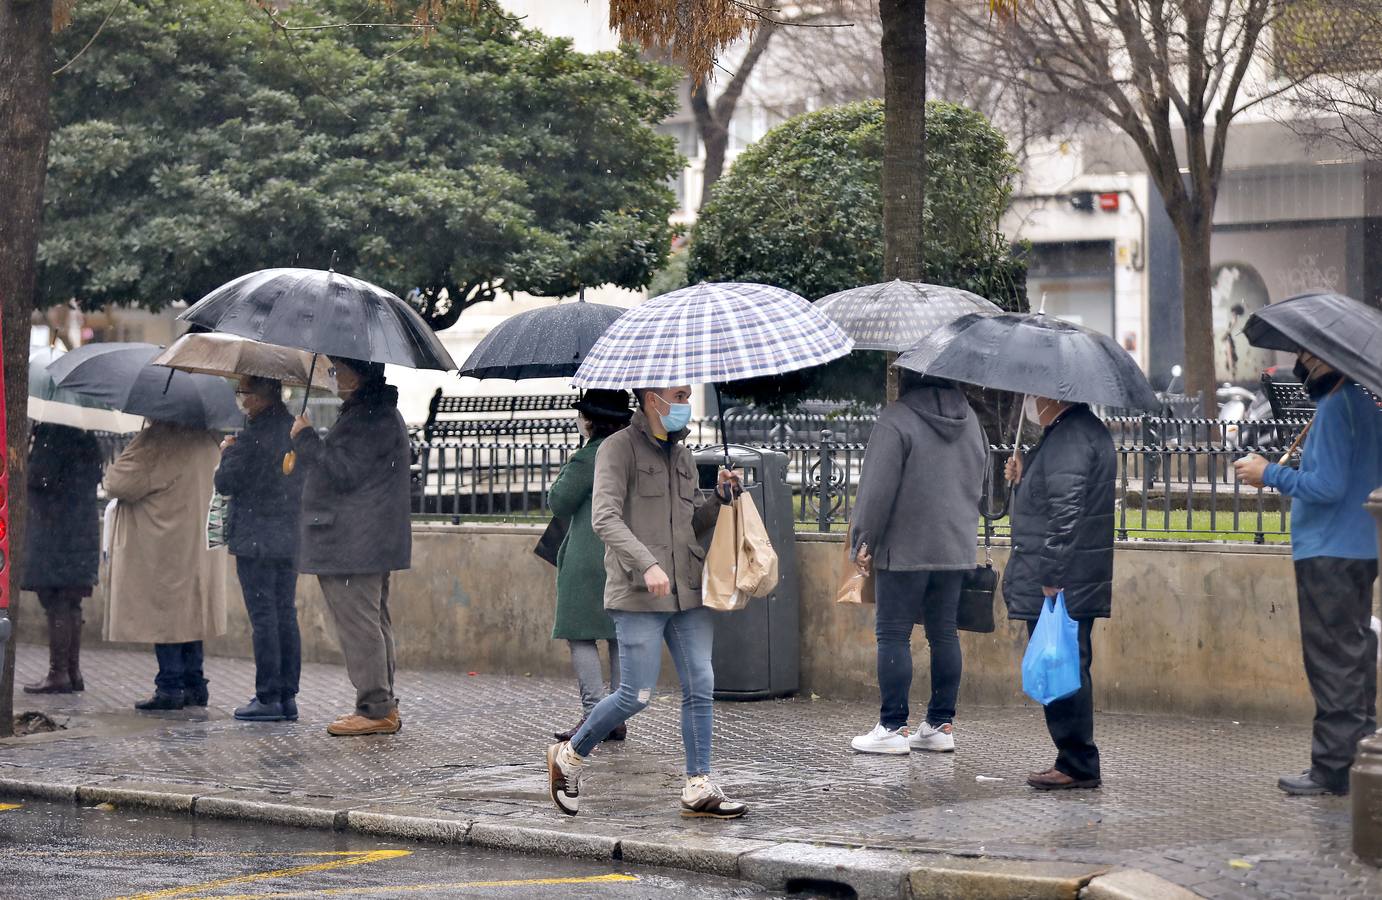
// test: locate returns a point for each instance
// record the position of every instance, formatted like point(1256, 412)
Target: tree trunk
point(904, 144)
point(715, 137)
point(26, 59)
point(1197, 309)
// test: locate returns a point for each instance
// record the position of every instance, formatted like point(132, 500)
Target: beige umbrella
point(231, 356)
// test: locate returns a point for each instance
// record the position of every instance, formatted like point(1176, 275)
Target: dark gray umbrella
point(322, 312)
point(124, 376)
point(542, 343)
point(1033, 354)
point(894, 315)
point(1338, 329)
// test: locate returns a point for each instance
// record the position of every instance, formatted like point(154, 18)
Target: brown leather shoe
point(1059, 781)
point(355, 725)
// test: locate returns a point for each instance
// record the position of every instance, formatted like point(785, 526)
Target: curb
point(774, 865)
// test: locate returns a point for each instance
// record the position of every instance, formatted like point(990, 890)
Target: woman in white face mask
point(581, 619)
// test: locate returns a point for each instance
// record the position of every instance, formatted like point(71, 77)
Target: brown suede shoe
point(355, 725)
point(1059, 781)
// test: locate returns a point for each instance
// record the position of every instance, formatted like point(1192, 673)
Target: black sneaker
point(290, 709)
point(161, 702)
point(257, 711)
point(563, 778)
point(197, 696)
point(1306, 785)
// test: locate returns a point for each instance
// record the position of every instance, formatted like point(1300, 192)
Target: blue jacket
point(265, 504)
point(1340, 465)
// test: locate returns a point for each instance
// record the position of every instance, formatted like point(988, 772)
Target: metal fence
point(1175, 476)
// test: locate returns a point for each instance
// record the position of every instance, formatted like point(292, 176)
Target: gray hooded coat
point(918, 502)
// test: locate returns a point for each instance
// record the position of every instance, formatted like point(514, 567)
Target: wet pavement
point(1193, 801)
point(62, 850)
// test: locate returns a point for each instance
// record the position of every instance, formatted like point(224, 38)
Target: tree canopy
point(802, 209)
point(196, 140)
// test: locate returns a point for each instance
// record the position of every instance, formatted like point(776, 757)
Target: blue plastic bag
point(1051, 665)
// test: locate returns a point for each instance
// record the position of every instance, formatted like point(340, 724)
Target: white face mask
point(242, 405)
point(1030, 410)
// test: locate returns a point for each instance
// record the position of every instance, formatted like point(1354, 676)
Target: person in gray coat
point(356, 530)
point(915, 522)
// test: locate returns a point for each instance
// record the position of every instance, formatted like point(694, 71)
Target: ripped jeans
point(689, 635)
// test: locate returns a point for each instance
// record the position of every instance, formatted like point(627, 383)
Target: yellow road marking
point(445, 886)
point(213, 854)
point(6, 807)
point(352, 859)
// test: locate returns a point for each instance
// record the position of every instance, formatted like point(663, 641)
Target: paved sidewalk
point(1194, 802)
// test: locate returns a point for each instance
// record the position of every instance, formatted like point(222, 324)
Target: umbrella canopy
point(1033, 354)
point(124, 376)
point(712, 333)
point(1338, 329)
point(59, 406)
point(230, 357)
point(322, 312)
point(543, 343)
point(896, 314)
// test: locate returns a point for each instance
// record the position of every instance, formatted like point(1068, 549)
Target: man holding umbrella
point(356, 531)
point(1334, 546)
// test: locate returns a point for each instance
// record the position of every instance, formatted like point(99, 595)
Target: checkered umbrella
point(709, 334)
point(896, 314)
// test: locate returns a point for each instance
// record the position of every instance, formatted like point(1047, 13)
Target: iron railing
point(1175, 476)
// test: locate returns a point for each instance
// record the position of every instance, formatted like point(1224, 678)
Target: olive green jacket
point(647, 510)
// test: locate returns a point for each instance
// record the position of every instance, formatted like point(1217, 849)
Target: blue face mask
point(677, 416)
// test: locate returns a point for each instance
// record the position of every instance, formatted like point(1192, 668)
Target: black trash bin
point(758, 648)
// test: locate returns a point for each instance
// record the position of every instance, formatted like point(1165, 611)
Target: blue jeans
point(689, 634)
point(903, 599)
point(270, 588)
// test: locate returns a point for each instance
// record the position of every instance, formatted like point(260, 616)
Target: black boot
point(59, 649)
point(74, 657)
point(161, 701)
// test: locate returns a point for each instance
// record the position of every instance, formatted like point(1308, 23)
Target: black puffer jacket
point(1062, 520)
point(356, 499)
point(62, 544)
point(264, 502)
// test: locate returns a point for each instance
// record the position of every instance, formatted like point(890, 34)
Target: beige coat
point(165, 586)
point(647, 510)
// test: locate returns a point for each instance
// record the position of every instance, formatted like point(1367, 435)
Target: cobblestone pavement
point(1193, 801)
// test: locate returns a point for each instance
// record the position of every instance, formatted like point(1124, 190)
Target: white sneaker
point(703, 799)
point(564, 777)
point(881, 740)
point(936, 740)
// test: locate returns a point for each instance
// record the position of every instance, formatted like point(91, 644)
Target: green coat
point(581, 612)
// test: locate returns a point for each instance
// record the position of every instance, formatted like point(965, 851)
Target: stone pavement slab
point(1193, 802)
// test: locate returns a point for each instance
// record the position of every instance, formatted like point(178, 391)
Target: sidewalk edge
point(872, 873)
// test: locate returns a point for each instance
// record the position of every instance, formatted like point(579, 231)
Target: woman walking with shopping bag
point(581, 619)
point(648, 511)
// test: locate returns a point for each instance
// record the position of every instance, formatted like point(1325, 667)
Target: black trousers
point(1071, 720)
point(179, 668)
point(270, 589)
point(1335, 597)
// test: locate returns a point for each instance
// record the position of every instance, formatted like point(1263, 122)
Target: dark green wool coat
point(581, 612)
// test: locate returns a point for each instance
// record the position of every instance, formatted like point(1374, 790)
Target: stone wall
point(1198, 629)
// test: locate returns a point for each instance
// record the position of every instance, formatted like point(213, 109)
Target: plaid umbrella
point(896, 314)
point(712, 333)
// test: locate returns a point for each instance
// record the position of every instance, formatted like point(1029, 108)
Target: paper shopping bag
point(757, 574)
point(855, 586)
point(719, 588)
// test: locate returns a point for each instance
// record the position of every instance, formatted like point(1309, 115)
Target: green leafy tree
point(803, 209)
point(200, 139)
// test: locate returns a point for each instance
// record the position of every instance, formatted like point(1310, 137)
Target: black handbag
point(550, 542)
point(975, 612)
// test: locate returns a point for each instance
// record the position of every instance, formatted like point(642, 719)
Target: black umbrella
point(894, 315)
point(543, 343)
point(1338, 329)
point(1033, 354)
point(322, 312)
point(124, 376)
